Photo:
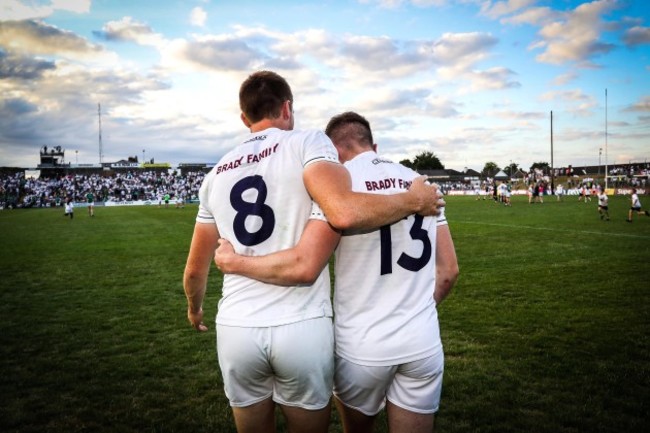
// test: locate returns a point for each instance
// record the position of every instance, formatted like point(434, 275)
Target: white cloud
point(575, 102)
point(441, 107)
point(130, 30)
point(19, 67)
point(76, 6)
point(198, 16)
point(493, 79)
point(566, 78)
point(211, 53)
point(637, 35)
point(573, 36)
point(18, 10)
point(519, 115)
point(564, 95)
point(642, 105)
point(576, 37)
point(36, 37)
point(395, 100)
point(392, 4)
point(458, 56)
point(537, 44)
point(370, 56)
point(533, 16)
point(500, 8)
point(457, 53)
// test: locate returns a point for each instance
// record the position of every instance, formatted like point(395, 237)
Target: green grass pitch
point(547, 329)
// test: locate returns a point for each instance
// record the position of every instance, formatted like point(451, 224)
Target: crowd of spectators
point(16, 191)
point(635, 177)
point(629, 171)
point(455, 186)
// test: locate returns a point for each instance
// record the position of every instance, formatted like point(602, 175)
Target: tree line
point(429, 161)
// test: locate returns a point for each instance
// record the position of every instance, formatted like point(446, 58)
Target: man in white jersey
point(635, 206)
point(388, 283)
point(603, 204)
point(275, 344)
point(386, 330)
point(559, 192)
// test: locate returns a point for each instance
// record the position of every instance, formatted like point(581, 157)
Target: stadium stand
point(16, 191)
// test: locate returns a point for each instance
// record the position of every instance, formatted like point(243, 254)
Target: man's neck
point(347, 156)
point(268, 123)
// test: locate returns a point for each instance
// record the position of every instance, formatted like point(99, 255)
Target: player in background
point(90, 202)
point(559, 192)
point(603, 201)
point(540, 192)
point(69, 208)
point(275, 344)
point(584, 193)
point(388, 283)
point(635, 207)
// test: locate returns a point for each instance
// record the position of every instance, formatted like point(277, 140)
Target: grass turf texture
point(545, 331)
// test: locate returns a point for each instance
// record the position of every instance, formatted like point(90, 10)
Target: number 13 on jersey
point(414, 264)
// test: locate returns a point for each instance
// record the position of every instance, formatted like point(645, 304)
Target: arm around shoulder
point(300, 265)
point(331, 187)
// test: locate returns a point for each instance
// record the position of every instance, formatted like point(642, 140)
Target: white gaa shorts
point(415, 386)
point(293, 363)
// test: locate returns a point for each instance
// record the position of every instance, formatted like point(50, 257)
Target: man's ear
point(243, 118)
point(287, 109)
point(374, 147)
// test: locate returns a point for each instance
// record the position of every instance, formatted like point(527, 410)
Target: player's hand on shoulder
point(428, 196)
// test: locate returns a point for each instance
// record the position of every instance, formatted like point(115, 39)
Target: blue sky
point(469, 80)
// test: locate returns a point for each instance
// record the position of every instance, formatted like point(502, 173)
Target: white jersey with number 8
point(257, 198)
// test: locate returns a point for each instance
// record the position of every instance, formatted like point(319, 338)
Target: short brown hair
point(262, 94)
point(349, 125)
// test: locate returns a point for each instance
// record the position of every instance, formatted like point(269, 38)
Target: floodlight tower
point(606, 168)
point(101, 150)
point(552, 175)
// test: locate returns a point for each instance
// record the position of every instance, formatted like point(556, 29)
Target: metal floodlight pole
point(552, 176)
point(606, 169)
point(101, 150)
point(600, 153)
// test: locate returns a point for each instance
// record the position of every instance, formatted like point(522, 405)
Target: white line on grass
point(626, 235)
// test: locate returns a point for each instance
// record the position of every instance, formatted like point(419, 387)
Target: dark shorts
point(602, 207)
point(636, 209)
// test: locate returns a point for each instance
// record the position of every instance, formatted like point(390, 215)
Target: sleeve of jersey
point(319, 147)
point(204, 216)
point(442, 218)
point(317, 213)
